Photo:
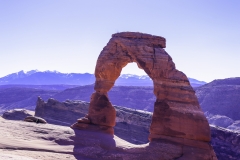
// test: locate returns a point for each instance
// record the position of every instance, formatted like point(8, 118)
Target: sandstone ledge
point(138, 35)
point(82, 144)
point(132, 126)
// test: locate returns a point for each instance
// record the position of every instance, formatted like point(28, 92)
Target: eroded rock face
point(176, 110)
point(67, 112)
point(101, 110)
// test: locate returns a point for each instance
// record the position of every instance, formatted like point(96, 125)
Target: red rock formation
point(176, 110)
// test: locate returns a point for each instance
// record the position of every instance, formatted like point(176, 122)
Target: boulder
point(35, 119)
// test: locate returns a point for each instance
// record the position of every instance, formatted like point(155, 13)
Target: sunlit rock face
point(177, 115)
point(176, 110)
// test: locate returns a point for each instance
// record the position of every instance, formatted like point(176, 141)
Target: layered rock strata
point(60, 113)
point(131, 125)
point(176, 110)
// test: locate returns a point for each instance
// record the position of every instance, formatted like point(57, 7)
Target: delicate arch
point(176, 110)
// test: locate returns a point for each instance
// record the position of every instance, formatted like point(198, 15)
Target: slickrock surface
point(14, 154)
point(46, 141)
point(176, 111)
point(133, 125)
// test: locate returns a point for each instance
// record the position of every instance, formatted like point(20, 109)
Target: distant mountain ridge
point(221, 97)
point(35, 77)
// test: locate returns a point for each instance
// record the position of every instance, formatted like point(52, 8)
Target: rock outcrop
point(176, 110)
point(22, 114)
point(177, 115)
point(35, 119)
point(132, 125)
point(17, 114)
point(67, 112)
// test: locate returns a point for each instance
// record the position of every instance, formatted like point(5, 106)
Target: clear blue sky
point(203, 36)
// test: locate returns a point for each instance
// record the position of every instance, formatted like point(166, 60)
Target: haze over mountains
point(221, 97)
point(35, 77)
point(218, 99)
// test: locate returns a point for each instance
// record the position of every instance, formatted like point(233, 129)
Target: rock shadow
point(131, 133)
point(92, 144)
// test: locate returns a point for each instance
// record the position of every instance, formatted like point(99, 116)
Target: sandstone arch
point(176, 111)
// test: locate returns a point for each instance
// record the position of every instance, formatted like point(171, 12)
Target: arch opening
point(133, 91)
point(132, 75)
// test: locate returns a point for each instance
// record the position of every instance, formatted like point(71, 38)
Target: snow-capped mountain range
point(35, 77)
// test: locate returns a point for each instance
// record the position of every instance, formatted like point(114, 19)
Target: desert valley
point(119, 80)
